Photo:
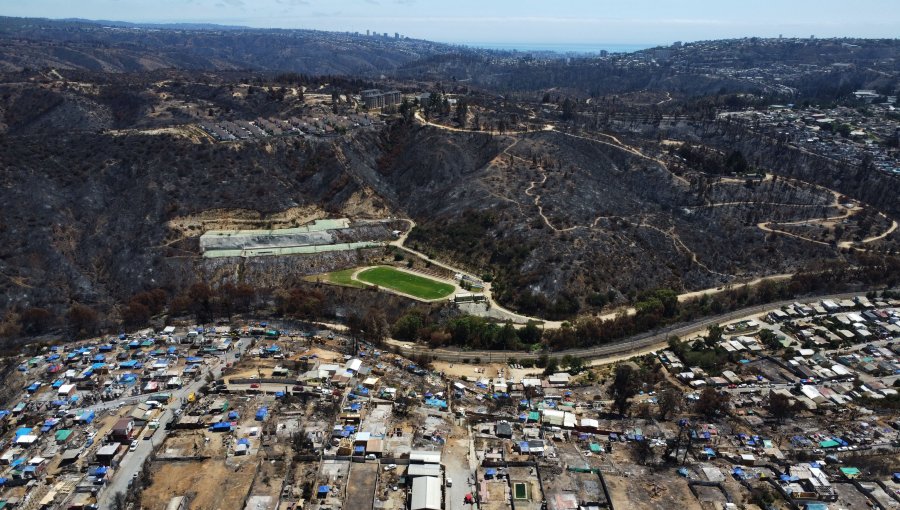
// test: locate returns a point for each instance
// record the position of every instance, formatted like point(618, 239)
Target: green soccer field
point(400, 281)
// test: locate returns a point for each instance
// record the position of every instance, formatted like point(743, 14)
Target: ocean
point(563, 48)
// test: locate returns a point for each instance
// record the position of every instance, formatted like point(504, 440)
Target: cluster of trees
point(78, 320)
point(661, 308)
point(465, 331)
point(708, 161)
point(654, 309)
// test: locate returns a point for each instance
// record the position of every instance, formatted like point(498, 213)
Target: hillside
point(41, 43)
point(560, 222)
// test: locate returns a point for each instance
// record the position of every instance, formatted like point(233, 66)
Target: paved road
point(643, 341)
point(133, 461)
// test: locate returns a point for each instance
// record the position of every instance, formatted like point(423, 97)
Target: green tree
point(552, 366)
point(624, 386)
point(713, 335)
point(770, 339)
point(530, 334)
point(407, 327)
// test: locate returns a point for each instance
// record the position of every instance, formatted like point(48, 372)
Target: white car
point(133, 446)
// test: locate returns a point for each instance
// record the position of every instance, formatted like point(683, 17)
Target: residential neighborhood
point(791, 408)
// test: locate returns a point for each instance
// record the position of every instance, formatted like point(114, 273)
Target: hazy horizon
point(525, 22)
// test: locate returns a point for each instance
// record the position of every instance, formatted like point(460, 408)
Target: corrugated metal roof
point(426, 493)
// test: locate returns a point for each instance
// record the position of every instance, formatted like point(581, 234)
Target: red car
point(254, 386)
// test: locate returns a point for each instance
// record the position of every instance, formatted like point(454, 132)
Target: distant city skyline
point(519, 22)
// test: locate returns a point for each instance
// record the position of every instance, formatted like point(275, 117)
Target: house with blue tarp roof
point(323, 491)
point(53, 357)
point(99, 358)
point(87, 416)
point(105, 348)
point(128, 364)
point(57, 383)
point(194, 359)
point(23, 431)
point(98, 366)
point(134, 344)
point(261, 413)
point(222, 426)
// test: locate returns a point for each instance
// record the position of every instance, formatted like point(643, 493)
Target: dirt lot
point(651, 491)
point(184, 443)
point(212, 484)
point(361, 485)
point(849, 497)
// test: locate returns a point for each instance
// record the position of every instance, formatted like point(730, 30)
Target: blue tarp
point(194, 359)
point(490, 472)
point(99, 358)
point(244, 440)
point(57, 383)
point(436, 402)
point(324, 489)
point(105, 348)
point(24, 431)
point(222, 426)
point(261, 413)
point(233, 415)
point(88, 416)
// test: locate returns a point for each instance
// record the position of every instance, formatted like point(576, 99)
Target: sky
point(562, 22)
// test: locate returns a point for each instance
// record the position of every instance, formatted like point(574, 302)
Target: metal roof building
point(426, 493)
